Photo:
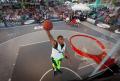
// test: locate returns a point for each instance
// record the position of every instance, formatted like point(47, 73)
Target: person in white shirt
point(58, 52)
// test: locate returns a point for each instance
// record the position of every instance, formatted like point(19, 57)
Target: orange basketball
point(47, 25)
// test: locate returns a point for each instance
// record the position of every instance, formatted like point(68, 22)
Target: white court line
point(9, 79)
point(37, 43)
point(62, 68)
point(33, 43)
point(86, 66)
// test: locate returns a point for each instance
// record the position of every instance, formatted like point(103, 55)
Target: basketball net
point(91, 48)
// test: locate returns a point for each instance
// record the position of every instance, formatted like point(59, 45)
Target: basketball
point(47, 25)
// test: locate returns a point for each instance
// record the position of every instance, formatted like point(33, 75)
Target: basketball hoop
point(97, 58)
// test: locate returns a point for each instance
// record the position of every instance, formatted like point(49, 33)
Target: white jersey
point(58, 52)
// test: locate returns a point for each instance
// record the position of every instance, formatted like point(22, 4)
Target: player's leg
point(54, 64)
point(59, 64)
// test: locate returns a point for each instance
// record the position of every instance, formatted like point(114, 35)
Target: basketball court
point(28, 55)
point(34, 64)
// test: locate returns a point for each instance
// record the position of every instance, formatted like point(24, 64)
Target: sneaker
point(56, 73)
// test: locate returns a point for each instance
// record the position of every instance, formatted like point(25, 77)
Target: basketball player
point(58, 51)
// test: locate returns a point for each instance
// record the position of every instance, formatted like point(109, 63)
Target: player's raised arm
point(47, 25)
point(52, 40)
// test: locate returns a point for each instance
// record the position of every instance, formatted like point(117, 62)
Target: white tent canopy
point(68, 3)
point(80, 6)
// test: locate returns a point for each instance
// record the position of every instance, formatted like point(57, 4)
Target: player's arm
point(52, 40)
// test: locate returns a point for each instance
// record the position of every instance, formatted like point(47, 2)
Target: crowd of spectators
point(15, 1)
point(106, 15)
point(103, 16)
point(9, 15)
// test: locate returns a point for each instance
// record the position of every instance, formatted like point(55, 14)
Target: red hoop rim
point(101, 45)
point(96, 58)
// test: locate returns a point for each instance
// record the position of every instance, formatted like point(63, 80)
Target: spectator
point(37, 17)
